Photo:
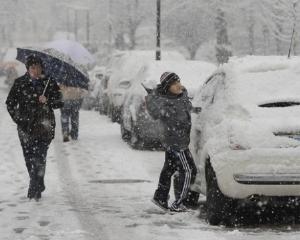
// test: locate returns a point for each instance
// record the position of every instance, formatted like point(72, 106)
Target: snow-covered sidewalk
point(97, 188)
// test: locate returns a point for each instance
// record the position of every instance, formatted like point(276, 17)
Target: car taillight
point(237, 147)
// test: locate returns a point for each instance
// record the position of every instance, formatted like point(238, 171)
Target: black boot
point(37, 196)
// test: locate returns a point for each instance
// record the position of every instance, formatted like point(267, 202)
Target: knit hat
point(33, 60)
point(166, 80)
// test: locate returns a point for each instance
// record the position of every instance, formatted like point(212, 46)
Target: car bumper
point(268, 178)
point(241, 174)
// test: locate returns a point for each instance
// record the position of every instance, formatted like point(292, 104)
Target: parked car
point(91, 100)
point(10, 67)
point(137, 127)
point(247, 137)
point(113, 64)
point(97, 86)
point(122, 75)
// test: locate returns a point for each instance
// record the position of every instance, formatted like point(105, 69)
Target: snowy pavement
point(98, 188)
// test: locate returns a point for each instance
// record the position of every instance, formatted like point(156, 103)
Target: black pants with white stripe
point(183, 163)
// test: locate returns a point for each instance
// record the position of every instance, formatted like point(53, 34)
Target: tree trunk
point(251, 33)
point(223, 46)
point(266, 35)
point(278, 41)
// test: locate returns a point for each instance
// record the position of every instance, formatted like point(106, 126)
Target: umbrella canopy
point(57, 65)
point(75, 50)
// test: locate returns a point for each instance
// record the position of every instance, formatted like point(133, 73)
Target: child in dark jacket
point(170, 104)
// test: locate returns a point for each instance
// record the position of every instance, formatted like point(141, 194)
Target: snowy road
point(97, 188)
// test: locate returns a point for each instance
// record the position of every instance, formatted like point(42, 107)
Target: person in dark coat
point(73, 98)
point(30, 104)
point(169, 102)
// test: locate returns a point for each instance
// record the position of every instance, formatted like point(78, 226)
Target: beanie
point(166, 80)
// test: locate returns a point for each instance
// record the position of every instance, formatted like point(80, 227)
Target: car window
point(99, 76)
point(124, 84)
point(210, 89)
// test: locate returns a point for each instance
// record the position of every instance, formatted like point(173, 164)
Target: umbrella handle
point(45, 88)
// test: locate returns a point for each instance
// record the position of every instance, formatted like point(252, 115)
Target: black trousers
point(35, 153)
point(183, 163)
point(70, 114)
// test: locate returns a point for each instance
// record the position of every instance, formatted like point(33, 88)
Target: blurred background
point(196, 28)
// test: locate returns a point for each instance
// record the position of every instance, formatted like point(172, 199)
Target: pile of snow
point(260, 80)
point(127, 64)
point(192, 74)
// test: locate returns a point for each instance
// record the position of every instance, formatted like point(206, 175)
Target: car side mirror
point(196, 110)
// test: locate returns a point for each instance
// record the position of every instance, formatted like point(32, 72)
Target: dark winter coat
point(174, 111)
point(33, 118)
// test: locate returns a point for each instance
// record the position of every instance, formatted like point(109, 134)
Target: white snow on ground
point(74, 207)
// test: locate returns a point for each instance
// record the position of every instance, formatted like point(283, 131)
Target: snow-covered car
point(246, 139)
point(92, 99)
point(123, 72)
point(137, 127)
point(10, 67)
point(98, 83)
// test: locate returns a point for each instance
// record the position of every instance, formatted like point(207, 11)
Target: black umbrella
point(58, 66)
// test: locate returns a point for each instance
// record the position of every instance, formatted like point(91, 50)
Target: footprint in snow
point(21, 218)
point(12, 205)
point(19, 230)
point(43, 223)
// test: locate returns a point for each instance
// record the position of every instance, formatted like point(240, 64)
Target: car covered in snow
point(10, 67)
point(137, 127)
point(95, 97)
point(246, 139)
point(122, 75)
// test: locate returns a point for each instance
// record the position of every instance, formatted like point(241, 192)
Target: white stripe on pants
point(187, 178)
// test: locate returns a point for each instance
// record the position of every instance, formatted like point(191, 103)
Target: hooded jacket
point(174, 112)
point(26, 110)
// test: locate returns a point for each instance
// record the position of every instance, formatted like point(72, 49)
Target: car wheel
point(126, 136)
point(110, 112)
point(101, 108)
point(136, 141)
point(114, 114)
point(220, 208)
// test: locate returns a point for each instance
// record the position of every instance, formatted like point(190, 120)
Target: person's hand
point(42, 99)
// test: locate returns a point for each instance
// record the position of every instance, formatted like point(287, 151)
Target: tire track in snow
point(90, 224)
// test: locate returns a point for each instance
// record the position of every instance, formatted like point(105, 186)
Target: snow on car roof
point(130, 62)
point(192, 73)
point(263, 79)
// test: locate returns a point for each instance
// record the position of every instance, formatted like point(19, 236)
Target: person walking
point(170, 104)
point(30, 104)
point(73, 98)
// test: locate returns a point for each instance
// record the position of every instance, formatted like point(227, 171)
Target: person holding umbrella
point(30, 104)
point(71, 77)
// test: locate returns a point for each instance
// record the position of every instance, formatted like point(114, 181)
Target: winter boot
point(66, 138)
point(175, 207)
point(37, 196)
point(161, 204)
